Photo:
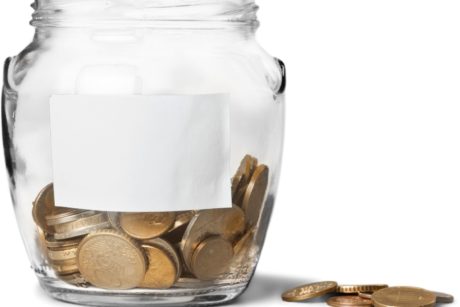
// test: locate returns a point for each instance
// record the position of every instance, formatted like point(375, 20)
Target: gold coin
point(63, 215)
point(244, 243)
point(41, 242)
point(348, 300)
point(81, 223)
point(244, 173)
point(43, 206)
point(211, 258)
point(51, 243)
point(169, 249)
point(255, 194)
point(228, 223)
point(147, 225)
point(367, 295)
point(162, 270)
point(183, 218)
point(403, 297)
point(443, 298)
point(309, 291)
point(355, 289)
point(109, 259)
point(81, 231)
point(62, 255)
point(65, 267)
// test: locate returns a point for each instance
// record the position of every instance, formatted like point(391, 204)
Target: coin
point(309, 291)
point(255, 194)
point(243, 173)
point(147, 225)
point(62, 255)
point(162, 270)
point(63, 215)
point(367, 295)
point(443, 298)
point(348, 300)
point(403, 297)
point(174, 235)
point(81, 231)
point(244, 243)
point(65, 267)
point(211, 258)
point(43, 206)
point(51, 243)
point(227, 222)
point(109, 259)
point(355, 289)
point(81, 223)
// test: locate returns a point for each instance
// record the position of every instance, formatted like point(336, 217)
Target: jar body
point(145, 62)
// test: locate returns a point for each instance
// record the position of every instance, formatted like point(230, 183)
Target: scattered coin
point(348, 300)
point(109, 259)
point(147, 225)
point(309, 291)
point(355, 289)
point(443, 298)
point(403, 297)
point(367, 295)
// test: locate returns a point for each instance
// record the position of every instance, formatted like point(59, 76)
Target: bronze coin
point(348, 300)
point(147, 225)
point(254, 196)
point(355, 289)
point(211, 258)
point(403, 297)
point(309, 291)
point(109, 259)
point(228, 223)
point(43, 206)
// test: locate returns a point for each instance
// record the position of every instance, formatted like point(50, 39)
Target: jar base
point(213, 295)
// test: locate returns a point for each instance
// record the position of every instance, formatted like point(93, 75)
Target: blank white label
point(141, 153)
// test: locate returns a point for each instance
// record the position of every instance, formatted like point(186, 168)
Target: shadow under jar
point(143, 141)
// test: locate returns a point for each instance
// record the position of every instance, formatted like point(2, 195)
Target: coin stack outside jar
point(157, 250)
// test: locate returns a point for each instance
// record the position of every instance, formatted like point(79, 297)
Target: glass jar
point(143, 141)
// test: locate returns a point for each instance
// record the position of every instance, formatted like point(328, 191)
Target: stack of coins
point(379, 295)
point(120, 250)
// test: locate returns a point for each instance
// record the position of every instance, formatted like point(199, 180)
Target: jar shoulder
point(48, 62)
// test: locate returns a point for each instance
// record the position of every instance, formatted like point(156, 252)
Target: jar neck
point(182, 14)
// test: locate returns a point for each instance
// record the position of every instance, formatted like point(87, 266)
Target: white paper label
point(141, 153)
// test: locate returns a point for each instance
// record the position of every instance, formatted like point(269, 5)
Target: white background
point(370, 186)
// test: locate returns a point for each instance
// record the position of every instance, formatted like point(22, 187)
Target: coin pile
point(120, 250)
point(378, 295)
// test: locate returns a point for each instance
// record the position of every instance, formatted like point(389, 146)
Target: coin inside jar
point(109, 259)
point(163, 269)
point(255, 194)
point(228, 223)
point(211, 258)
point(146, 225)
point(43, 206)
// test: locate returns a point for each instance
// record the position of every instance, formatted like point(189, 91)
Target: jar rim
point(183, 13)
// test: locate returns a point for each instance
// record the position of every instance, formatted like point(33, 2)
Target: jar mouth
point(174, 13)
